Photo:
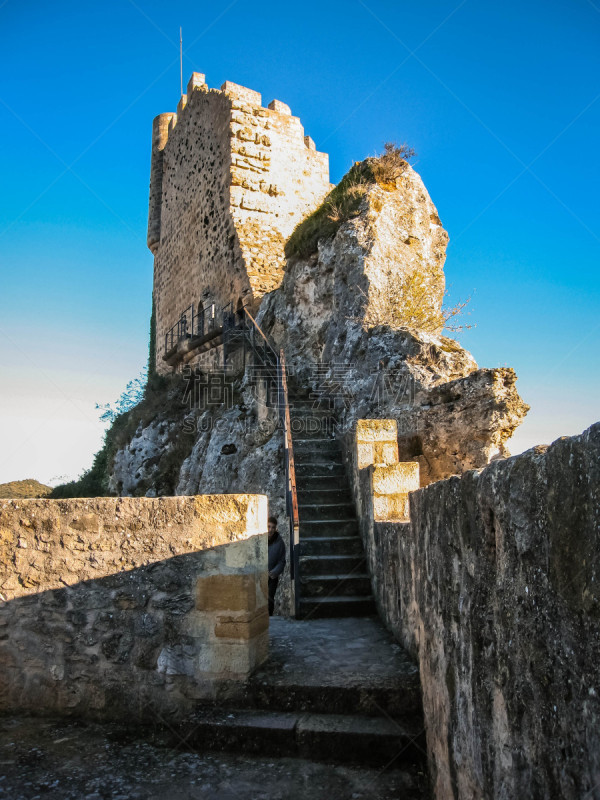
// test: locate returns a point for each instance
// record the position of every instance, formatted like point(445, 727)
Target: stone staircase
point(333, 690)
point(334, 581)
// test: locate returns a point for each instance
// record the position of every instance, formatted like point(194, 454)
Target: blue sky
point(501, 102)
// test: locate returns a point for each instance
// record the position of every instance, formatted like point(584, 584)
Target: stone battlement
point(230, 180)
point(238, 94)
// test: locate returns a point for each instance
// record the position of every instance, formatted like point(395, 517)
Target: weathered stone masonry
point(229, 182)
point(130, 607)
point(494, 586)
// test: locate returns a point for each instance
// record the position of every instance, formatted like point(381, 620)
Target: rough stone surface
point(401, 237)
point(62, 760)
point(229, 182)
point(131, 606)
point(343, 336)
point(356, 651)
point(237, 447)
point(137, 463)
point(494, 586)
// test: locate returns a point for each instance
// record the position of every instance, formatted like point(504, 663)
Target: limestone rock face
point(137, 462)
point(404, 249)
point(346, 332)
point(359, 320)
point(232, 449)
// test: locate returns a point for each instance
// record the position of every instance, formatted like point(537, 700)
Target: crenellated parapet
point(230, 180)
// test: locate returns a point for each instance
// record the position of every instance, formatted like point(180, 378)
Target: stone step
point(323, 494)
point(334, 666)
point(334, 585)
point(311, 428)
point(339, 606)
point(317, 456)
point(303, 410)
point(400, 697)
point(308, 483)
point(328, 445)
point(316, 469)
point(327, 527)
point(323, 512)
point(322, 737)
point(302, 404)
point(331, 546)
point(331, 565)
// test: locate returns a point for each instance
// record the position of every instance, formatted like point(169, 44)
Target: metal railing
point(196, 320)
point(242, 326)
point(241, 329)
point(291, 494)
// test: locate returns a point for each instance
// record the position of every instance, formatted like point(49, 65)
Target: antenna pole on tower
point(180, 62)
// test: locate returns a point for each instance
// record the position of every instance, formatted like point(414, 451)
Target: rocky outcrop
point(359, 320)
point(137, 463)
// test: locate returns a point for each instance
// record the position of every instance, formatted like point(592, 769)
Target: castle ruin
point(230, 180)
point(406, 513)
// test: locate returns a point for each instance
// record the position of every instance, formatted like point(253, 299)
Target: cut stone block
point(226, 593)
point(182, 103)
point(397, 479)
point(376, 430)
point(376, 442)
point(242, 93)
point(281, 108)
point(242, 626)
point(195, 82)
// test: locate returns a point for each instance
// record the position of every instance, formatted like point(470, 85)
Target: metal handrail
point(289, 446)
point(258, 328)
point(266, 344)
point(248, 329)
point(291, 493)
point(192, 323)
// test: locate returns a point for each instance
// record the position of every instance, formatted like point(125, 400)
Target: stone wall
point(197, 259)
point(229, 182)
point(130, 607)
point(380, 487)
point(494, 586)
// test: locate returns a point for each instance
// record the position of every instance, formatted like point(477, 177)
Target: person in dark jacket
point(276, 560)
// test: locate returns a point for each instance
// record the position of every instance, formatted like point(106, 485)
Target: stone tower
point(229, 182)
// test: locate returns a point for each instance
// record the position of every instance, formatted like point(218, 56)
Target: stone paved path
point(58, 760)
point(355, 651)
point(339, 666)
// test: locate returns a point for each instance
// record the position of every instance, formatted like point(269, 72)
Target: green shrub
point(152, 342)
point(162, 396)
point(391, 164)
point(343, 202)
